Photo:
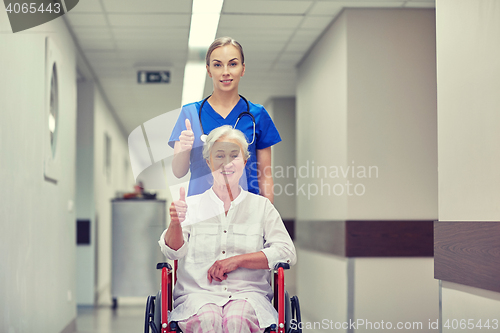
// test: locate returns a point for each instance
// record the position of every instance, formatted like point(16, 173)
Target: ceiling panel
point(266, 7)
point(316, 22)
point(172, 41)
point(323, 8)
point(371, 3)
point(418, 4)
point(97, 44)
point(284, 66)
point(291, 58)
point(261, 22)
point(102, 56)
point(149, 6)
point(87, 6)
point(298, 47)
point(147, 45)
point(256, 59)
point(153, 59)
point(149, 20)
point(86, 19)
point(118, 64)
point(306, 35)
point(151, 32)
point(365, 3)
point(256, 34)
point(262, 46)
point(93, 32)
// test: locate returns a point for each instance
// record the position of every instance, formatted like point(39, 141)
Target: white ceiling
point(119, 37)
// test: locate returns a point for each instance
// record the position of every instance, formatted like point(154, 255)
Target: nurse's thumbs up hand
point(178, 209)
point(187, 137)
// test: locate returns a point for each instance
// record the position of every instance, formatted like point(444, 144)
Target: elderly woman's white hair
point(225, 132)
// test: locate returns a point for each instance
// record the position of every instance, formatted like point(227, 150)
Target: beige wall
point(367, 112)
point(366, 97)
point(85, 201)
point(469, 182)
point(468, 82)
point(322, 287)
point(322, 122)
point(469, 305)
point(105, 189)
point(282, 111)
point(395, 290)
point(391, 74)
point(37, 217)
point(96, 189)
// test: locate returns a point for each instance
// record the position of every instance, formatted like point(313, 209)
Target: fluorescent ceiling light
point(203, 30)
point(194, 82)
point(207, 6)
point(204, 23)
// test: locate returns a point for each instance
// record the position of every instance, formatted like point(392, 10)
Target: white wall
point(282, 110)
point(322, 287)
point(475, 305)
point(37, 222)
point(322, 122)
point(468, 56)
point(105, 189)
point(392, 121)
point(366, 97)
point(371, 102)
point(395, 290)
point(85, 201)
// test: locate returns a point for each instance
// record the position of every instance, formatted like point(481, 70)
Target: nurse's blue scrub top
point(266, 135)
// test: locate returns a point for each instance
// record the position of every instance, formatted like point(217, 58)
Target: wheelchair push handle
point(160, 265)
point(283, 265)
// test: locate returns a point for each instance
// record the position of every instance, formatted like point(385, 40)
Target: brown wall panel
point(389, 238)
point(367, 238)
point(290, 227)
point(468, 253)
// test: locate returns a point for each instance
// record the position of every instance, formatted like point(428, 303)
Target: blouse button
point(223, 252)
point(225, 231)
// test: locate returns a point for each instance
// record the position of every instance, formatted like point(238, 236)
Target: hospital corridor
point(249, 165)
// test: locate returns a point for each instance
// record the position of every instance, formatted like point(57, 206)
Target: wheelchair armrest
point(160, 265)
point(282, 264)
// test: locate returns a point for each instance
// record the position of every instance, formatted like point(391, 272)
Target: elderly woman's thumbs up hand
point(178, 208)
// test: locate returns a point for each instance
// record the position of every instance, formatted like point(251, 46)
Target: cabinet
point(136, 228)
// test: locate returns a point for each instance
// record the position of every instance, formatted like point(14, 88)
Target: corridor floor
point(125, 319)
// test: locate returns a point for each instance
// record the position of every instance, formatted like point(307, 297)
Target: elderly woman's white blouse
point(252, 224)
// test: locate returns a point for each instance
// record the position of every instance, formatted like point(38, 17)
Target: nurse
point(225, 65)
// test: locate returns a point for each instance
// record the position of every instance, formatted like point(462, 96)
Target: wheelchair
point(158, 306)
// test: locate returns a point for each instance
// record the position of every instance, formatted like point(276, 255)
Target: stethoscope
point(203, 136)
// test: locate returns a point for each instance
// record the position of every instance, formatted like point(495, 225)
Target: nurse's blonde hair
point(223, 41)
point(225, 132)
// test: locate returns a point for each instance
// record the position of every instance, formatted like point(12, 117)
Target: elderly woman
point(226, 240)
